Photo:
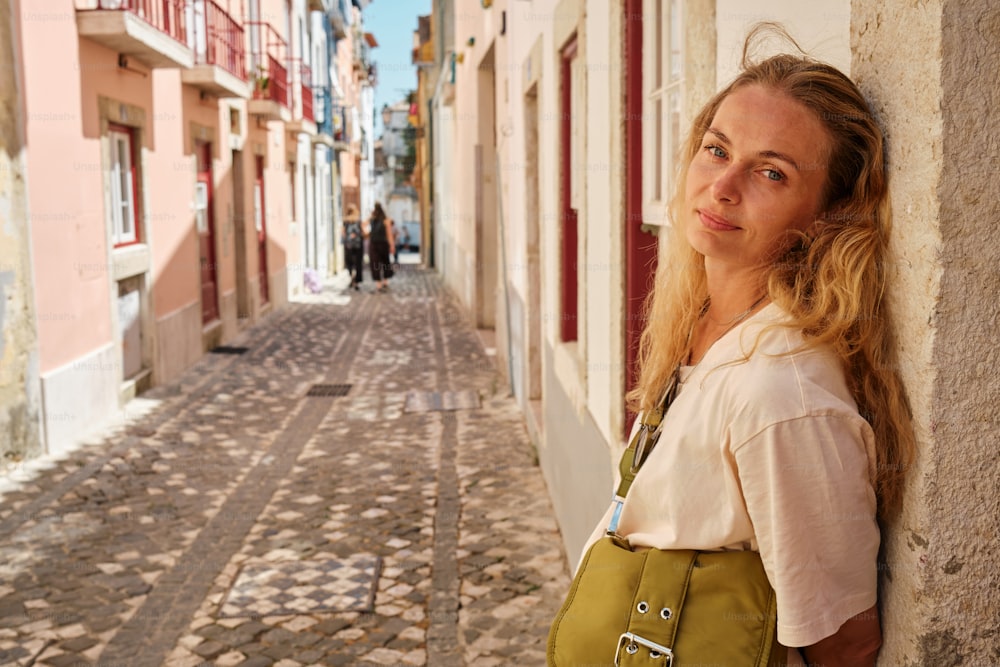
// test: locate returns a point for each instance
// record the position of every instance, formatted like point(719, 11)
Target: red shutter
point(570, 283)
point(640, 248)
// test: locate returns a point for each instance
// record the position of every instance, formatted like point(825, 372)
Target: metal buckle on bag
point(647, 437)
point(632, 642)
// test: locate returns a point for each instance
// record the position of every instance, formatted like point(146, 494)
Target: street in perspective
point(347, 483)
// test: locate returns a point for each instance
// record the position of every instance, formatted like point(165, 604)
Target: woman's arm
point(855, 644)
point(391, 235)
point(806, 485)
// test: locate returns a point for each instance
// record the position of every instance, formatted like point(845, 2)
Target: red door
point(205, 221)
point(260, 224)
point(568, 328)
point(640, 252)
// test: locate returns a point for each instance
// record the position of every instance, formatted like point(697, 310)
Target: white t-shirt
point(771, 455)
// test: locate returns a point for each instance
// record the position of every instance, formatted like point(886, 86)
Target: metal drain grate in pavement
point(329, 390)
point(228, 349)
point(445, 400)
point(266, 588)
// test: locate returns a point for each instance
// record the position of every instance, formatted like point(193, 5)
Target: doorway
point(205, 223)
point(260, 225)
point(487, 239)
point(243, 311)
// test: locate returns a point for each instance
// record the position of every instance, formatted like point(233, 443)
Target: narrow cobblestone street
point(243, 522)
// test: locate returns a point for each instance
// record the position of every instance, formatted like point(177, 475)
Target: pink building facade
point(182, 174)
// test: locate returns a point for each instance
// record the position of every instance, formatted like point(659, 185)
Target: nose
point(726, 184)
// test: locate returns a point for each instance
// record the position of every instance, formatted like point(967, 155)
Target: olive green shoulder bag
point(673, 608)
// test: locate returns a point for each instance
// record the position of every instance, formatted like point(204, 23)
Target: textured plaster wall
point(602, 172)
point(923, 66)
point(819, 26)
point(71, 260)
point(19, 400)
point(964, 544)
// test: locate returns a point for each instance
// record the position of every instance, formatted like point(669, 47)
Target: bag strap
point(643, 442)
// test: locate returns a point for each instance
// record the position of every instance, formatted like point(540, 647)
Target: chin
point(698, 238)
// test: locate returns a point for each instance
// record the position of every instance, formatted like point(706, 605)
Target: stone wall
point(19, 388)
point(923, 65)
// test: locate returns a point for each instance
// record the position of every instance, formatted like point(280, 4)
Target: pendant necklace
point(730, 324)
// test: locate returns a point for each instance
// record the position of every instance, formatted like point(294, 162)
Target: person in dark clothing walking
point(381, 243)
point(354, 246)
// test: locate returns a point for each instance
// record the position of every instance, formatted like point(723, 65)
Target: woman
point(354, 246)
point(790, 430)
point(381, 244)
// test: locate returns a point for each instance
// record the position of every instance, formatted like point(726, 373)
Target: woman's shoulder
point(771, 335)
point(787, 375)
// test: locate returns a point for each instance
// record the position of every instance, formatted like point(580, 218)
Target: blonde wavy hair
point(831, 281)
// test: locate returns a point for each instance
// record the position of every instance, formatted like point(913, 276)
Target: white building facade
point(553, 146)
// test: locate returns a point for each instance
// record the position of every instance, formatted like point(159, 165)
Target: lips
point(714, 222)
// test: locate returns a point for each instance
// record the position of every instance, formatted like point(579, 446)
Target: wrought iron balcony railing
point(167, 16)
point(218, 38)
point(268, 52)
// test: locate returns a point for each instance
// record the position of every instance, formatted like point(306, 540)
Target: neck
point(731, 291)
point(733, 297)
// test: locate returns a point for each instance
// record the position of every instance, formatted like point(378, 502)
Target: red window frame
point(640, 250)
point(116, 232)
point(568, 328)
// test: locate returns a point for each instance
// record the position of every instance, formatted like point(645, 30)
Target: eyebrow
point(765, 154)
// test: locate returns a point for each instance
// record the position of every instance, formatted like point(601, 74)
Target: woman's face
point(759, 173)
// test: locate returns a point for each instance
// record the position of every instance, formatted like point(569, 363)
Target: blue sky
point(393, 22)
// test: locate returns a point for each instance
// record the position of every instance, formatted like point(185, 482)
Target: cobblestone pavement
point(242, 522)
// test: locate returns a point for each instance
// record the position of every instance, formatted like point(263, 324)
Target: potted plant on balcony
point(261, 82)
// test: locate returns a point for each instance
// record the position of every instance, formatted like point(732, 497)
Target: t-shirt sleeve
point(807, 486)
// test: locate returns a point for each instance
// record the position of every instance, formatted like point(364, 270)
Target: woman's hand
point(855, 644)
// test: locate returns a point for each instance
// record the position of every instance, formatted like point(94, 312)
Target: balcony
point(219, 46)
point(339, 18)
point(153, 32)
point(323, 116)
point(269, 76)
point(323, 112)
point(303, 118)
point(340, 122)
point(363, 43)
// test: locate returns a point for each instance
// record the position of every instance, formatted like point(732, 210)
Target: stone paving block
point(279, 651)
point(78, 645)
point(257, 661)
point(230, 659)
point(67, 660)
point(208, 649)
point(9, 655)
point(308, 656)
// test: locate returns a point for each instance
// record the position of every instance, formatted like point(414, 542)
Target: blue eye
point(774, 175)
point(716, 151)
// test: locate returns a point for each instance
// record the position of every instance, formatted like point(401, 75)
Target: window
point(663, 78)
point(122, 178)
point(201, 206)
point(291, 187)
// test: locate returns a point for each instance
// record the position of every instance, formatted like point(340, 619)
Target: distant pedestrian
point(381, 244)
point(397, 237)
point(354, 246)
